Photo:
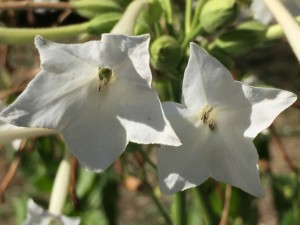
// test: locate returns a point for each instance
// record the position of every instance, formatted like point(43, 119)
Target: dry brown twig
point(224, 217)
point(11, 171)
point(73, 179)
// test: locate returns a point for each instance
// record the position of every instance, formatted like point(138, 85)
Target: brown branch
point(224, 217)
point(11, 171)
point(72, 188)
point(21, 5)
point(282, 149)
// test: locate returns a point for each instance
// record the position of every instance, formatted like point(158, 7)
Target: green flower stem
point(147, 159)
point(61, 185)
point(194, 32)
point(159, 206)
point(188, 15)
point(276, 31)
point(178, 207)
point(289, 25)
point(200, 4)
point(26, 35)
point(127, 22)
point(169, 11)
point(206, 212)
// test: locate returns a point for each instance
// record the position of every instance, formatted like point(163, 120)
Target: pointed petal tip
point(40, 42)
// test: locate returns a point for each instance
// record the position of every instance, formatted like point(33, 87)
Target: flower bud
point(236, 42)
point(218, 13)
point(165, 53)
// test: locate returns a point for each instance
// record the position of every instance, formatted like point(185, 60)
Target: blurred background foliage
point(128, 192)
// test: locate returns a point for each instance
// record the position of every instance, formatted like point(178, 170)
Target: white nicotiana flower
point(216, 123)
point(262, 13)
point(38, 216)
point(98, 95)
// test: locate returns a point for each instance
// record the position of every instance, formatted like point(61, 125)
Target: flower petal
point(128, 57)
point(36, 215)
point(255, 109)
point(180, 168)
point(205, 77)
point(96, 125)
point(205, 153)
point(141, 115)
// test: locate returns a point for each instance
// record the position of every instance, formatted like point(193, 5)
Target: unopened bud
point(165, 53)
point(216, 14)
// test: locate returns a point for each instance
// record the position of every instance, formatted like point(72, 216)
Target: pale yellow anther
point(208, 116)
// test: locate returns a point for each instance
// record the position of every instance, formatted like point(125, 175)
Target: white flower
point(98, 95)
point(38, 216)
point(262, 13)
point(10, 133)
point(216, 123)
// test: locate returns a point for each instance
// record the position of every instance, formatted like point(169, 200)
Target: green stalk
point(198, 9)
point(206, 213)
point(188, 15)
point(169, 11)
point(178, 207)
point(26, 35)
point(159, 206)
point(191, 36)
point(276, 31)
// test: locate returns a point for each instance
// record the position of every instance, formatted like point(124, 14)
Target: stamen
point(208, 116)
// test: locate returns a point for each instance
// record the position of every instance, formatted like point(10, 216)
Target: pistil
point(105, 75)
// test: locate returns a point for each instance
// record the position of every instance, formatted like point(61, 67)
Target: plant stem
point(204, 206)
point(157, 202)
point(289, 25)
point(25, 35)
point(194, 32)
point(179, 215)
point(188, 15)
point(127, 22)
point(169, 11)
point(147, 159)
point(200, 4)
point(61, 185)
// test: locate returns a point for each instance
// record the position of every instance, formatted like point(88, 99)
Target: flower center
point(105, 75)
point(208, 116)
